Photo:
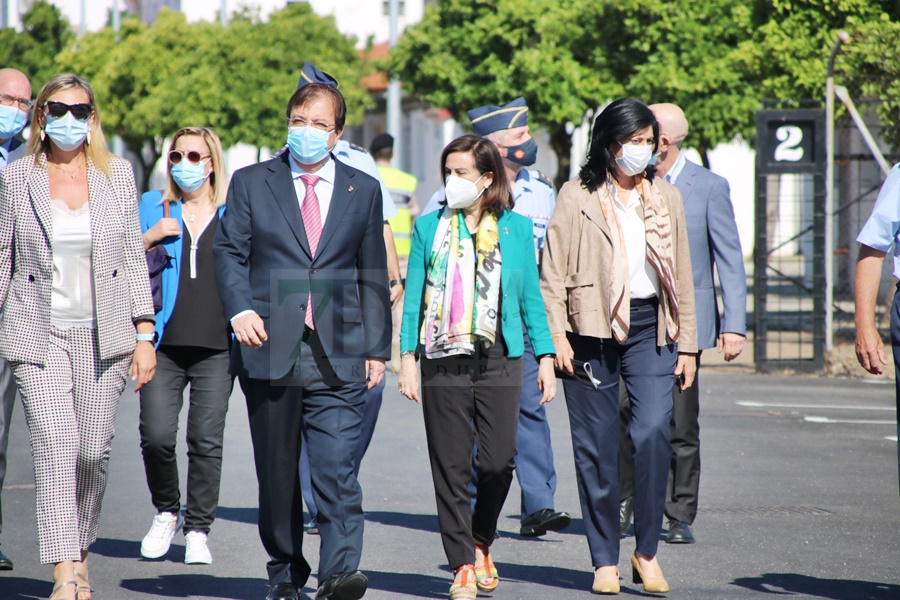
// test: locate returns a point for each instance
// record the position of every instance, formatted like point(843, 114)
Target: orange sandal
point(486, 578)
point(464, 587)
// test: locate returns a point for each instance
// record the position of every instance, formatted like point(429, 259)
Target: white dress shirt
point(324, 186)
point(643, 279)
point(673, 173)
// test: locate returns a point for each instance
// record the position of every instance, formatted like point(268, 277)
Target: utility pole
point(117, 143)
point(83, 28)
point(829, 192)
point(223, 14)
point(393, 96)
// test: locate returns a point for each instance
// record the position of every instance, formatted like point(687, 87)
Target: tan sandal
point(486, 578)
point(464, 587)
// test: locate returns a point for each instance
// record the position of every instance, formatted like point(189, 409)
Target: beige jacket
point(577, 258)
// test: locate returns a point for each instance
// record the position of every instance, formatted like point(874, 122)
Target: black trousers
point(332, 413)
point(161, 402)
point(469, 399)
point(683, 487)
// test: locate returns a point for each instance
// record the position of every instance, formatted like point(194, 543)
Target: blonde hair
point(218, 178)
point(95, 147)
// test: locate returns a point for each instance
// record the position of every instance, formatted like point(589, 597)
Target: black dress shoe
point(626, 511)
point(539, 523)
point(5, 563)
point(283, 591)
point(344, 586)
point(680, 533)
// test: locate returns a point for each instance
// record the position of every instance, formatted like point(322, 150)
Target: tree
point(156, 79)
point(469, 53)
point(45, 32)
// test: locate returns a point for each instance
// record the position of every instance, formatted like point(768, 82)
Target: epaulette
point(358, 148)
point(544, 179)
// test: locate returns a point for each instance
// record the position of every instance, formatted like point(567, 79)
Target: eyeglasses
point(193, 157)
point(59, 109)
point(24, 103)
point(320, 125)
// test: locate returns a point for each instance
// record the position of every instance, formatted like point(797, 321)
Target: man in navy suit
point(302, 272)
point(714, 242)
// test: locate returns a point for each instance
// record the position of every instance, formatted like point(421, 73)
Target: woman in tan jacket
point(617, 284)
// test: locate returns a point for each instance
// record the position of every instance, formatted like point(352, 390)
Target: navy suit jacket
point(263, 263)
point(714, 242)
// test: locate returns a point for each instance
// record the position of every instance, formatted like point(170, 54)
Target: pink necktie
point(312, 222)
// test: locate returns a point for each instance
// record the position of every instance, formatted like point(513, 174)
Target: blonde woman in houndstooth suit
point(78, 316)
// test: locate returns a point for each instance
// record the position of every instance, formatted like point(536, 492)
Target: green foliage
point(45, 33)
point(157, 79)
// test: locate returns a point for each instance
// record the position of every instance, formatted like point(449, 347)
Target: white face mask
point(461, 193)
point(634, 159)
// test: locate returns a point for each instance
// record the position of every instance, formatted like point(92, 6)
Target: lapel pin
point(506, 230)
point(350, 189)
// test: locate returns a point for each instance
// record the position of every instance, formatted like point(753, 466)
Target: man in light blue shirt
point(15, 102)
point(880, 232)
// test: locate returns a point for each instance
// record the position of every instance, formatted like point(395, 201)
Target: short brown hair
point(315, 91)
point(497, 197)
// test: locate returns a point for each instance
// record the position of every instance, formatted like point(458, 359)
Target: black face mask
point(523, 154)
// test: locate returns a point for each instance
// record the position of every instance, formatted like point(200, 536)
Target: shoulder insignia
point(544, 179)
point(358, 148)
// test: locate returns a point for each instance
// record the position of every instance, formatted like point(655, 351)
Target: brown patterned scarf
point(660, 255)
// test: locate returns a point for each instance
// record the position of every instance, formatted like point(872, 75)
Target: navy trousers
point(647, 370)
point(534, 453)
point(332, 414)
point(895, 343)
point(367, 430)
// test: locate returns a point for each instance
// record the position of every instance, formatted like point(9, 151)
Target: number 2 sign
point(790, 141)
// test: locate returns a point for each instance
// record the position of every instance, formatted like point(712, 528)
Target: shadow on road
point(409, 584)
point(24, 588)
point(832, 589)
point(201, 586)
point(408, 521)
point(250, 516)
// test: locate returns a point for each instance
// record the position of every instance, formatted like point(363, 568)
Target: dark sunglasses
point(193, 156)
point(59, 109)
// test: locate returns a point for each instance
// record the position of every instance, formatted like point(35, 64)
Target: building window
point(401, 8)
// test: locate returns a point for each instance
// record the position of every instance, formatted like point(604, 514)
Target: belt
point(654, 301)
point(307, 332)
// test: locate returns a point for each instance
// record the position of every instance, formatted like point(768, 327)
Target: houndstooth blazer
point(121, 283)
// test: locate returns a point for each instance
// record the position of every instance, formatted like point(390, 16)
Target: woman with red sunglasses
point(193, 342)
point(77, 314)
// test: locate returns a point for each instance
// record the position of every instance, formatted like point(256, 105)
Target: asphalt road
point(799, 498)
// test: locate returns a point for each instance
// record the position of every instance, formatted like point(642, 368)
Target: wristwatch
point(148, 337)
point(398, 282)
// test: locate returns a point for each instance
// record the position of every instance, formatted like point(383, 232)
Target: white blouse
point(643, 278)
point(72, 298)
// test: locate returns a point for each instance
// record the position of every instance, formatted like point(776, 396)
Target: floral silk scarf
point(462, 286)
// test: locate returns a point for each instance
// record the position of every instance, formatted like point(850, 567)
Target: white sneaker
point(196, 552)
point(157, 541)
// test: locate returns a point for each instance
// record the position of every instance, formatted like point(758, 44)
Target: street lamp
point(842, 37)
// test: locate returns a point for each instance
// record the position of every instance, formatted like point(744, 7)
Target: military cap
point(488, 119)
point(382, 140)
point(311, 74)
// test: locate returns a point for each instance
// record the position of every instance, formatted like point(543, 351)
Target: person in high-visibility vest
point(402, 186)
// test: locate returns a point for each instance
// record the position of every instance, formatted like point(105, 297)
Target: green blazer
point(519, 285)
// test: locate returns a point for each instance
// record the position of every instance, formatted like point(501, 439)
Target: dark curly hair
point(618, 121)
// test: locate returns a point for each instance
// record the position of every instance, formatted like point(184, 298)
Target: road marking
point(816, 406)
point(812, 419)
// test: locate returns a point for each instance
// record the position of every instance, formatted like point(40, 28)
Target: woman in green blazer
point(472, 281)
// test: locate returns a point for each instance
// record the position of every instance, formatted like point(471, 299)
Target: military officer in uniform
point(507, 127)
point(359, 158)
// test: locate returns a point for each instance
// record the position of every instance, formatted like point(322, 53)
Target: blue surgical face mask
point(12, 121)
point(67, 132)
point(189, 176)
point(308, 145)
point(523, 154)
